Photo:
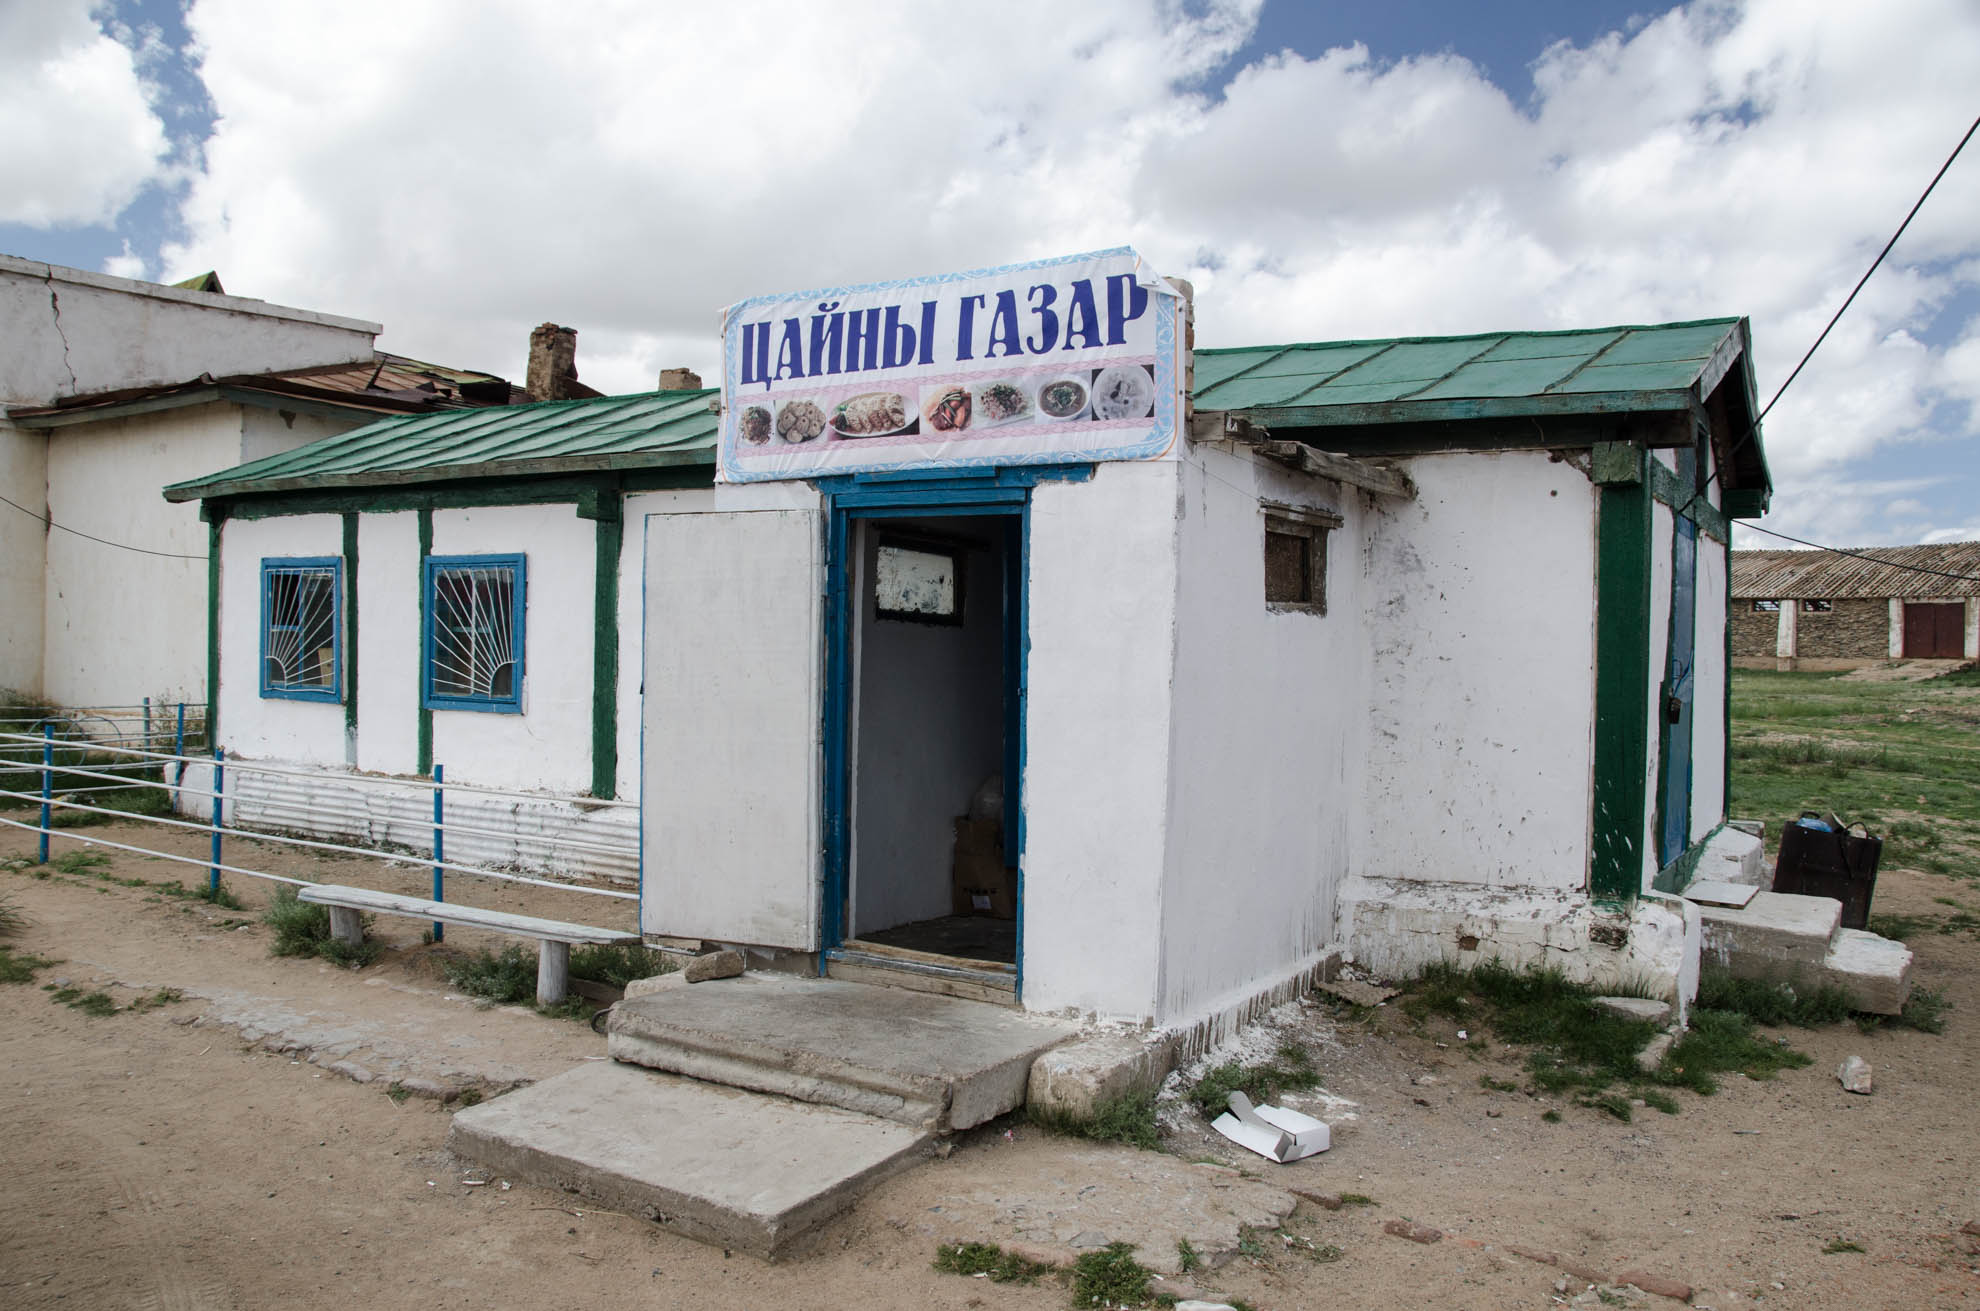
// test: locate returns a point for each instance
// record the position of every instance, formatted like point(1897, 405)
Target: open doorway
point(932, 725)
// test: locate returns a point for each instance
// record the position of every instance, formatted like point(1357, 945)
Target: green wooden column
point(419, 666)
point(1622, 672)
point(350, 635)
point(603, 507)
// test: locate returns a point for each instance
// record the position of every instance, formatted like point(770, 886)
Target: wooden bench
point(554, 937)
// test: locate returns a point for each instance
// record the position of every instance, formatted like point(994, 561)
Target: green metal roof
point(644, 431)
point(1670, 366)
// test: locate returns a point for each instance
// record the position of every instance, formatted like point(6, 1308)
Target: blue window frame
point(302, 631)
point(471, 650)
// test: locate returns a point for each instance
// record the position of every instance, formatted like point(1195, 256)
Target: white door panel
point(731, 824)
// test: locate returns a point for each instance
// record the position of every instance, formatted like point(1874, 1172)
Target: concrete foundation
point(1780, 937)
point(742, 1171)
point(932, 1062)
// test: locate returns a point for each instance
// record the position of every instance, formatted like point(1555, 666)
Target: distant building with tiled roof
point(1835, 609)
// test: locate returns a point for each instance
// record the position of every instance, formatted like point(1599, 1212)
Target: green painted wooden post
point(351, 635)
point(419, 673)
point(1622, 672)
point(604, 508)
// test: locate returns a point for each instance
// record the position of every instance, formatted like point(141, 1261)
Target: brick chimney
point(679, 380)
point(552, 374)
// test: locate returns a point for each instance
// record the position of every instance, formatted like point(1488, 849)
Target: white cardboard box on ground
point(1272, 1131)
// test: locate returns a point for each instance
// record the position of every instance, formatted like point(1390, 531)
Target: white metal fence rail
point(395, 820)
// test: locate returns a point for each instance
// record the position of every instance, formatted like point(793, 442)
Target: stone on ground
point(739, 1170)
point(1635, 1008)
point(713, 965)
point(1854, 1075)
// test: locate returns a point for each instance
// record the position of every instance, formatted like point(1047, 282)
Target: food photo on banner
point(1072, 358)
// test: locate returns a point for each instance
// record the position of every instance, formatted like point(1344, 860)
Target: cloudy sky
point(461, 170)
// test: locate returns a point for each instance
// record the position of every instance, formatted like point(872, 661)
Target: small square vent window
point(1816, 607)
point(1766, 607)
point(1296, 557)
point(917, 582)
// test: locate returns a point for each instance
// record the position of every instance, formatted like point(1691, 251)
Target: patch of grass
point(19, 966)
point(1126, 1119)
point(1925, 1010)
point(81, 861)
point(302, 928)
point(1840, 1245)
point(1110, 1277)
point(1001, 1267)
point(1289, 1070)
point(11, 919)
point(1901, 927)
point(1356, 1199)
point(398, 1092)
point(1326, 1253)
point(1575, 1046)
point(1613, 1103)
point(1723, 1041)
point(1551, 1116)
point(572, 1007)
point(96, 1004)
point(619, 963)
point(503, 977)
point(1658, 1101)
point(163, 997)
point(210, 893)
point(1773, 1004)
point(1489, 1084)
point(1188, 1259)
point(126, 801)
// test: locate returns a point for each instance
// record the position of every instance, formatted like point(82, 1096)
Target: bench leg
point(553, 972)
point(346, 926)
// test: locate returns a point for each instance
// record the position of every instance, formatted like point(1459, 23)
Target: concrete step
point(1781, 937)
point(931, 1062)
point(739, 1170)
point(1875, 971)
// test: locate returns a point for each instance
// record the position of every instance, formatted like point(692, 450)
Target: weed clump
point(1128, 1119)
point(988, 1259)
point(302, 928)
point(1773, 1004)
point(1289, 1070)
point(500, 977)
point(94, 1004)
point(1110, 1277)
point(1723, 1041)
point(19, 967)
point(619, 963)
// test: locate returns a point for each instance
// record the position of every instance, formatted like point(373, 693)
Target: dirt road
point(169, 1158)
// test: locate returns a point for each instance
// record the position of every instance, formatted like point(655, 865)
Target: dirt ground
point(176, 1157)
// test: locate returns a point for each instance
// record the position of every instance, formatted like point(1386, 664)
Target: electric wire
point(1864, 555)
point(1753, 428)
point(42, 518)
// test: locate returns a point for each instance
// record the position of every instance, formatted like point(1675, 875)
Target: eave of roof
point(1866, 573)
point(643, 431)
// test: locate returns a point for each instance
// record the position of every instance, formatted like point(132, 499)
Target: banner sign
point(1062, 359)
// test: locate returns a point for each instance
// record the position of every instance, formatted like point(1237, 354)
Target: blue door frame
point(918, 495)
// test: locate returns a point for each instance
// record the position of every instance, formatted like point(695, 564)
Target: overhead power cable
point(39, 518)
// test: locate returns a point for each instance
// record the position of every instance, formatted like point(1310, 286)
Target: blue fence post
point(147, 723)
point(47, 783)
point(179, 739)
point(219, 807)
point(439, 847)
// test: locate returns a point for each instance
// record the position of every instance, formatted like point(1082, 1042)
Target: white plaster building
point(1413, 646)
point(111, 388)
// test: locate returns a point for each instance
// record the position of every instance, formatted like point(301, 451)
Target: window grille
point(473, 607)
point(302, 646)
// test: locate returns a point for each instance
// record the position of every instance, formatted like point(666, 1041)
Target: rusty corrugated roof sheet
point(1872, 572)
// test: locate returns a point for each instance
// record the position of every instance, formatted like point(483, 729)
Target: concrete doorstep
point(740, 1170)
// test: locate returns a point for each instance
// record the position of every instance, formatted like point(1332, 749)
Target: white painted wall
point(388, 646)
point(929, 710)
point(1103, 578)
point(1267, 744)
point(269, 728)
point(69, 332)
point(271, 432)
point(1708, 716)
point(23, 555)
point(119, 625)
point(1479, 598)
point(548, 745)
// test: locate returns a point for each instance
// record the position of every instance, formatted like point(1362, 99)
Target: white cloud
point(78, 137)
point(130, 264)
point(462, 171)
